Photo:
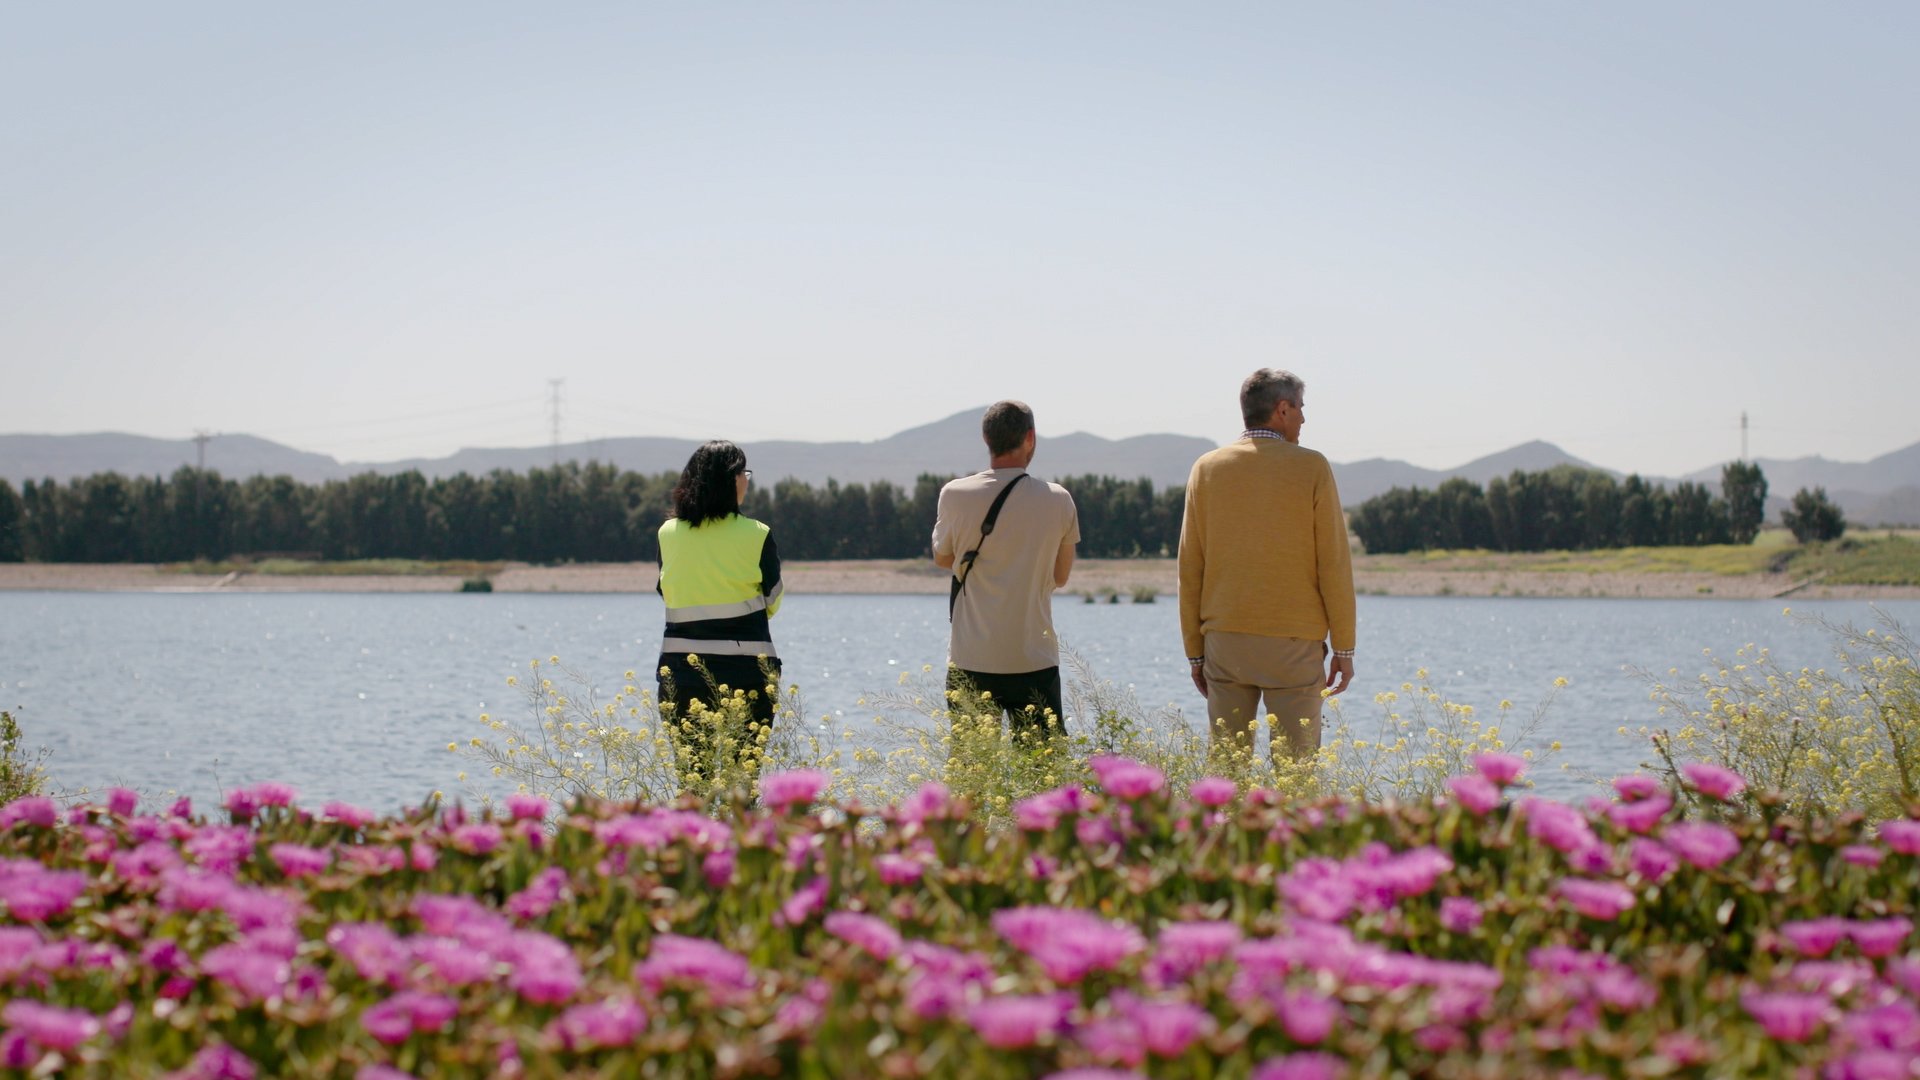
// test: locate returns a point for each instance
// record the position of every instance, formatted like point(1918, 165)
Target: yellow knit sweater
point(1263, 547)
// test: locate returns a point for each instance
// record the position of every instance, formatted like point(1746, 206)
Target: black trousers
point(683, 685)
point(1023, 697)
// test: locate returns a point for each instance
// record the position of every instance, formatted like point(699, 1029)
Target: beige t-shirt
point(1003, 624)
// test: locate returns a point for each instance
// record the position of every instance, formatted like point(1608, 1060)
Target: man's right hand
point(1199, 673)
point(1339, 675)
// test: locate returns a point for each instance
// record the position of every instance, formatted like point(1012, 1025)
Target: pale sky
point(376, 230)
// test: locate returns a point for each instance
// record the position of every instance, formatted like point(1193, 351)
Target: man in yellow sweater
point(1266, 575)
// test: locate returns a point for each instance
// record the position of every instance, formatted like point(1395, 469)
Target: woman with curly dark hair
point(720, 578)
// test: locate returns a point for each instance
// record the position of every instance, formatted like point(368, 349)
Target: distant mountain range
point(1885, 490)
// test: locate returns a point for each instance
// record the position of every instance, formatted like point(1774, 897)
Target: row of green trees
point(569, 513)
point(1564, 509)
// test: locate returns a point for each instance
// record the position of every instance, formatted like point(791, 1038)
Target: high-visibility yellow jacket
point(721, 582)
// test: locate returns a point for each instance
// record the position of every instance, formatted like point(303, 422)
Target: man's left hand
point(1339, 675)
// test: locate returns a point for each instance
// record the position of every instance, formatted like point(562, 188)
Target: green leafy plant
point(22, 772)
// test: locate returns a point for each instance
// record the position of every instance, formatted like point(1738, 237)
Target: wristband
point(1196, 661)
point(1343, 654)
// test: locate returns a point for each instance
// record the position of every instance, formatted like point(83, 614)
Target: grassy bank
point(1878, 558)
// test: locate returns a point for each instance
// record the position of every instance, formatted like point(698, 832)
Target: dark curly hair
point(706, 490)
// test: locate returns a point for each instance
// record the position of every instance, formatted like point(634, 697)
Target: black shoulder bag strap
point(959, 581)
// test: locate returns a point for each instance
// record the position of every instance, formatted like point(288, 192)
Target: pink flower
point(1212, 791)
point(33, 893)
point(524, 807)
point(1683, 1048)
point(1558, 825)
point(475, 838)
point(1893, 1026)
point(217, 1062)
point(1016, 1021)
point(1870, 1065)
point(807, 901)
point(1641, 816)
point(1308, 1017)
point(1098, 832)
point(1308, 1066)
point(347, 814)
point(1115, 1040)
point(801, 787)
point(1040, 813)
point(299, 860)
point(1862, 855)
point(1788, 1017)
point(1502, 769)
point(453, 962)
point(1605, 900)
point(1713, 781)
point(931, 802)
point(1477, 793)
point(680, 960)
point(1902, 835)
point(1184, 948)
point(802, 1012)
point(36, 810)
point(1704, 844)
point(897, 869)
point(122, 801)
point(717, 868)
point(1168, 1028)
point(545, 970)
point(375, 952)
point(1126, 779)
point(1904, 972)
point(1635, 786)
point(597, 1025)
point(255, 975)
point(871, 934)
point(50, 1026)
point(406, 1013)
point(1067, 943)
point(1460, 914)
point(1651, 859)
point(546, 889)
point(1814, 937)
point(1881, 937)
point(272, 793)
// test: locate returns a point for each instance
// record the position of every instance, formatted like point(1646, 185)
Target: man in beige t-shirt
point(1003, 641)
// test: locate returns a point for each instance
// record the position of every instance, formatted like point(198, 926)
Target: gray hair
point(1005, 426)
point(1263, 392)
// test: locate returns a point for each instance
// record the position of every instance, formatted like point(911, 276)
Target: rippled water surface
point(357, 696)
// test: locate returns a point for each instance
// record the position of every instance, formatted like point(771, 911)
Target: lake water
point(355, 696)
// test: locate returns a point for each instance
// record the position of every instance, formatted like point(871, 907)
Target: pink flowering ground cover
point(1133, 931)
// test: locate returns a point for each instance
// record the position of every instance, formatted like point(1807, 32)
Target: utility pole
point(553, 400)
point(1743, 434)
point(201, 437)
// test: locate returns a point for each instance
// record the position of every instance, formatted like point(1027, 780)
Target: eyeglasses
point(748, 473)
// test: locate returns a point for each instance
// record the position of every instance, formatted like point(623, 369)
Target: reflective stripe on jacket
point(721, 582)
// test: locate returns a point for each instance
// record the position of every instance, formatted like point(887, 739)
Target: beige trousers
point(1288, 672)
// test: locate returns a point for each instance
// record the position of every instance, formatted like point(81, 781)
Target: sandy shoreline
point(920, 576)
